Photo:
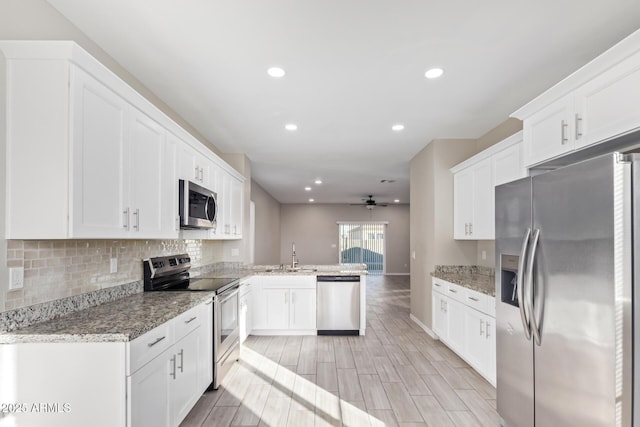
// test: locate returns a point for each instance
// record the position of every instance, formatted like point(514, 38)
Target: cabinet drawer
point(439, 286)
point(476, 300)
point(289, 281)
point(188, 321)
point(149, 345)
point(491, 306)
point(456, 292)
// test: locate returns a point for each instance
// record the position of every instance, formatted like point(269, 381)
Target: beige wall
point(431, 202)
point(314, 230)
point(267, 250)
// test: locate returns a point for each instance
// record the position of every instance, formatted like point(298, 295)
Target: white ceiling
point(354, 68)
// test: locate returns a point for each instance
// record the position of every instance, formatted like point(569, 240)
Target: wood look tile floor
point(396, 375)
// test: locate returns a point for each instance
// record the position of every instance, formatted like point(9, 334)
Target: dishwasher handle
point(338, 278)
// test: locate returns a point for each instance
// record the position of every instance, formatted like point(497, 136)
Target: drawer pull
point(173, 367)
point(181, 367)
point(156, 341)
point(473, 299)
point(453, 290)
point(437, 284)
point(191, 320)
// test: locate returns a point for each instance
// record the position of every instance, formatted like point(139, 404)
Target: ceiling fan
point(369, 203)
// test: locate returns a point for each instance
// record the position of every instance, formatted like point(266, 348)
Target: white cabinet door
point(477, 350)
point(149, 399)
point(245, 313)
point(205, 347)
point(303, 309)
point(184, 389)
point(276, 309)
point(439, 311)
point(187, 162)
point(483, 223)
point(455, 321)
point(507, 165)
point(547, 134)
point(608, 105)
point(237, 200)
point(98, 178)
point(462, 203)
point(145, 164)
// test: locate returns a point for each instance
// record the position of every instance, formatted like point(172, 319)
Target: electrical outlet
point(114, 265)
point(484, 254)
point(16, 278)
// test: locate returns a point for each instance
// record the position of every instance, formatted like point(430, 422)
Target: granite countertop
point(479, 279)
point(304, 270)
point(118, 321)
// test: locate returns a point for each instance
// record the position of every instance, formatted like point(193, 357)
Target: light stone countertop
point(127, 318)
point(118, 321)
point(479, 279)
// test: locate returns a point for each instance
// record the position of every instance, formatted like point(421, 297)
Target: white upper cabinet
point(99, 129)
point(474, 181)
point(548, 132)
point(594, 104)
point(102, 161)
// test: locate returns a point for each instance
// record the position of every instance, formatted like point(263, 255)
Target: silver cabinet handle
point(181, 367)
point(436, 284)
point(197, 174)
point(445, 306)
point(201, 174)
point(532, 256)
point(136, 226)
point(177, 223)
point(473, 299)
point(578, 121)
point(487, 331)
point(173, 367)
point(470, 228)
point(191, 320)
point(156, 341)
point(481, 325)
point(466, 228)
point(522, 305)
point(126, 218)
point(453, 290)
point(563, 133)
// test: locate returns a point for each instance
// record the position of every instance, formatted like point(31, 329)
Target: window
point(354, 249)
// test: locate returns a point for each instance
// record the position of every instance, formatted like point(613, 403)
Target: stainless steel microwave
point(198, 206)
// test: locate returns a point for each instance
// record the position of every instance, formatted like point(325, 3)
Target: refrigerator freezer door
point(581, 277)
point(514, 355)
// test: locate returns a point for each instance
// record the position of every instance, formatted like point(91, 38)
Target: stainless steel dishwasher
point(338, 305)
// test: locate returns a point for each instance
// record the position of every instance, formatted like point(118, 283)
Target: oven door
point(227, 321)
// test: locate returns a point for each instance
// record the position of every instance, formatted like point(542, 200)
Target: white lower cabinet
point(284, 304)
point(148, 391)
point(245, 309)
point(464, 320)
point(153, 380)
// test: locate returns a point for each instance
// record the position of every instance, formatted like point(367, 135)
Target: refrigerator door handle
point(532, 256)
point(520, 286)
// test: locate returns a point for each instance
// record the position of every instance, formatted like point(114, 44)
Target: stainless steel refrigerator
point(564, 281)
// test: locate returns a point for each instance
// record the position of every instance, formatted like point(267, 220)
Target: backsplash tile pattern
point(55, 269)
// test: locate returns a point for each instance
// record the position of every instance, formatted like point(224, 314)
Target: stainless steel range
point(171, 273)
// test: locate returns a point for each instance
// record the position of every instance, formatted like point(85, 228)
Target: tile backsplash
point(56, 269)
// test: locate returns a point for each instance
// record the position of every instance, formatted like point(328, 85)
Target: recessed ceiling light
point(318, 181)
point(307, 188)
point(276, 72)
point(311, 200)
point(396, 201)
point(434, 73)
point(291, 127)
point(398, 127)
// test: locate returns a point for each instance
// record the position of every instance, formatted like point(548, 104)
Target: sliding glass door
point(363, 243)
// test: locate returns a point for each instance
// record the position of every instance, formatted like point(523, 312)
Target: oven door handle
point(229, 293)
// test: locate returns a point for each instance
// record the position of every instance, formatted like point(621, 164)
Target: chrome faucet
point(294, 261)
